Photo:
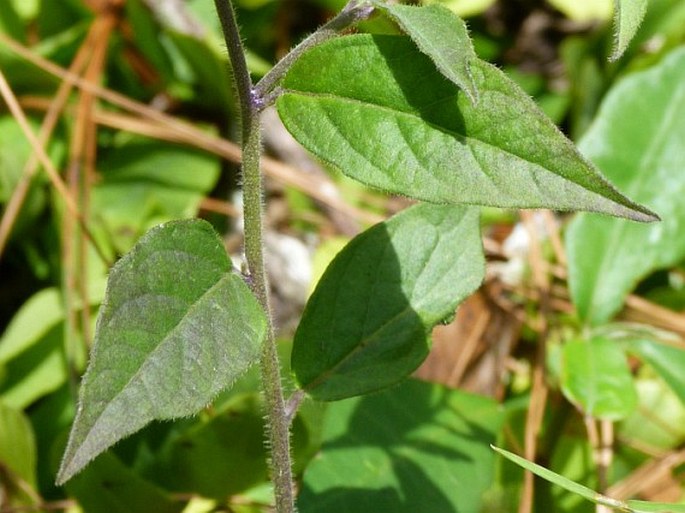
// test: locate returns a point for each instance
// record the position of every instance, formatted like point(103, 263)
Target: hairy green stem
point(352, 13)
point(277, 418)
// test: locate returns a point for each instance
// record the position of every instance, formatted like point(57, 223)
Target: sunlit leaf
point(367, 325)
point(464, 8)
point(145, 183)
point(585, 10)
point(637, 141)
point(38, 315)
point(668, 361)
point(596, 377)
point(17, 446)
point(177, 327)
point(36, 371)
point(377, 109)
point(414, 448)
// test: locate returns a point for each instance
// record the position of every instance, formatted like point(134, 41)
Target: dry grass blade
point(184, 132)
point(538, 397)
point(647, 475)
point(54, 109)
point(58, 184)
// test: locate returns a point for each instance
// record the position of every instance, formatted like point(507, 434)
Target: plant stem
point(277, 419)
point(353, 12)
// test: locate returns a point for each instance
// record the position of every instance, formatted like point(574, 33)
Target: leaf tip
point(65, 472)
point(644, 215)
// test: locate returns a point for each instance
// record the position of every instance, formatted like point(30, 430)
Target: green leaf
point(145, 183)
point(17, 445)
point(367, 325)
point(636, 140)
point(145, 34)
point(584, 10)
point(221, 456)
point(628, 15)
point(383, 114)
point(442, 36)
point(595, 376)
point(465, 8)
point(32, 346)
point(177, 327)
point(668, 361)
point(659, 420)
point(37, 371)
point(14, 152)
point(414, 448)
point(212, 77)
point(11, 23)
point(37, 316)
point(108, 486)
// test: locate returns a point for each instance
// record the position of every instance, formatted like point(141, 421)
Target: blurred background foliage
point(133, 104)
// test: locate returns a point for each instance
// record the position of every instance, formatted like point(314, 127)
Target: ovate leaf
point(177, 326)
point(596, 377)
point(442, 36)
point(637, 141)
point(377, 108)
point(417, 447)
point(628, 15)
point(367, 325)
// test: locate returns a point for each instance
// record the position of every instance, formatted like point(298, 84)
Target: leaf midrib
point(469, 141)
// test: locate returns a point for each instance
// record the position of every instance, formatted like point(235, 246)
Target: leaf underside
point(177, 326)
point(367, 325)
point(378, 109)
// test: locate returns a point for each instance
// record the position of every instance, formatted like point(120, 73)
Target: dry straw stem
point(163, 126)
point(54, 108)
point(18, 114)
point(80, 176)
point(538, 398)
point(647, 475)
